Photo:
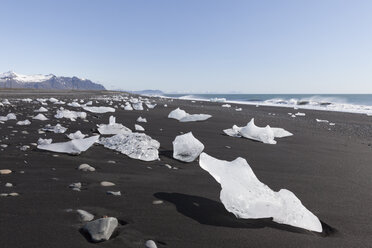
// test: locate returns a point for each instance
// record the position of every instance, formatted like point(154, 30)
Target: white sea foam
point(337, 104)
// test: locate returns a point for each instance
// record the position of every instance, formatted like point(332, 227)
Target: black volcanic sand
point(328, 167)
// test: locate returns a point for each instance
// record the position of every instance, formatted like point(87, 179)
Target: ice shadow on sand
point(210, 212)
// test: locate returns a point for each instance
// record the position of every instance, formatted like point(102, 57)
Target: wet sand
point(328, 168)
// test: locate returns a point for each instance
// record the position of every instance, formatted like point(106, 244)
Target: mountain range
point(11, 79)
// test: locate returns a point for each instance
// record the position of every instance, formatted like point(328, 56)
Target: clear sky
point(262, 46)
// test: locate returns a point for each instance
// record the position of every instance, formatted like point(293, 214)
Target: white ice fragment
point(150, 244)
point(74, 104)
point(8, 117)
point(150, 106)
point(134, 145)
point(99, 110)
point(182, 116)
point(138, 127)
point(6, 102)
point(263, 134)
point(112, 127)
point(107, 184)
point(41, 109)
point(84, 215)
point(128, 106)
point(53, 100)
point(55, 129)
point(140, 119)
point(246, 197)
point(41, 141)
point(238, 109)
point(226, 106)
point(318, 120)
point(40, 117)
point(177, 114)
point(76, 135)
point(75, 185)
point(72, 115)
point(186, 147)
point(115, 193)
point(86, 168)
point(137, 106)
point(24, 123)
point(72, 147)
point(101, 229)
point(300, 114)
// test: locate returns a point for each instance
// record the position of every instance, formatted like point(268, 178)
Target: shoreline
point(327, 167)
point(367, 112)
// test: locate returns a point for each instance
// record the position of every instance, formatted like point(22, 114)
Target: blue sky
point(246, 46)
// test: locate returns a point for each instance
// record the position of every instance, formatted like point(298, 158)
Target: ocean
point(353, 103)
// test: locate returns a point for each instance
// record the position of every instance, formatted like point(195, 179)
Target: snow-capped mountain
point(11, 79)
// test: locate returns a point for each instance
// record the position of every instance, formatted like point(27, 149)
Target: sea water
point(353, 103)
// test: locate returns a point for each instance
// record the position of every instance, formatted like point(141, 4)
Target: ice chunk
point(99, 110)
point(84, 215)
point(40, 117)
point(72, 115)
point(8, 117)
point(76, 135)
point(55, 129)
point(128, 106)
point(226, 106)
point(246, 197)
point(86, 167)
point(72, 147)
point(41, 109)
point(177, 114)
point(138, 127)
point(186, 147)
point(137, 106)
point(134, 145)
point(24, 123)
point(238, 109)
point(300, 114)
point(101, 229)
point(53, 100)
point(263, 134)
point(150, 106)
point(182, 116)
point(140, 119)
point(112, 127)
point(41, 141)
point(318, 120)
point(74, 104)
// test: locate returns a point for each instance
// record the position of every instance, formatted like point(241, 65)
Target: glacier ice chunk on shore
point(186, 147)
point(23, 123)
point(101, 229)
point(40, 117)
point(41, 110)
point(75, 146)
point(55, 129)
point(134, 145)
point(113, 127)
point(76, 135)
point(183, 116)
point(263, 134)
point(8, 117)
point(68, 114)
point(247, 197)
point(99, 110)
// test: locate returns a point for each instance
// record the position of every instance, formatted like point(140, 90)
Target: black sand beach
point(327, 167)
